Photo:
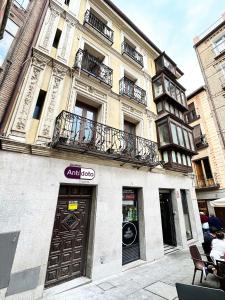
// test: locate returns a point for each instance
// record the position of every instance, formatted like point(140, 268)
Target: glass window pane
point(174, 158)
point(165, 156)
point(22, 3)
point(177, 112)
point(167, 106)
point(174, 133)
point(168, 65)
point(178, 95)
point(192, 142)
point(167, 86)
point(187, 143)
point(5, 44)
point(78, 111)
point(11, 27)
point(172, 90)
point(172, 109)
point(184, 159)
point(158, 87)
point(180, 135)
point(183, 99)
point(179, 158)
point(189, 161)
point(159, 106)
point(163, 134)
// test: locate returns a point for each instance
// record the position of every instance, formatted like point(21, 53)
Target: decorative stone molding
point(131, 110)
point(151, 115)
point(66, 42)
point(37, 66)
point(53, 96)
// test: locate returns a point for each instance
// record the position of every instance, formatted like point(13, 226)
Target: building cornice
point(196, 92)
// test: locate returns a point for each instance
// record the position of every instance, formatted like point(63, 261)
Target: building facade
point(85, 189)
point(210, 52)
point(22, 26)
point(208, 164)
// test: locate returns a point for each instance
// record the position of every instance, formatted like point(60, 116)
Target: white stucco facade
point(28, 199)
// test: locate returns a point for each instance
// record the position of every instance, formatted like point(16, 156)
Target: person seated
point(218, 247)
point(208, 237)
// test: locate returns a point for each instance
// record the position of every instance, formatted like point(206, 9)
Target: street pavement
point(152, 281)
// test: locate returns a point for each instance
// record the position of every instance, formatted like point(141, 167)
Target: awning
point(218, 203)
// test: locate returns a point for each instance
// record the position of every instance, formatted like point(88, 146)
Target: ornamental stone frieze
point(52, 102)
point(29, 91)
point(67, 39)
point(49, 27)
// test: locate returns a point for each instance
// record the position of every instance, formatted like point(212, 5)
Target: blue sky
point(172, 25)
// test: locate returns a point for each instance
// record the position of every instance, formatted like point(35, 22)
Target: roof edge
point(128, 21)
point(196, 92)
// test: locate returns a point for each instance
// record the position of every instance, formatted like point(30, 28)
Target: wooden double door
point(68, 249)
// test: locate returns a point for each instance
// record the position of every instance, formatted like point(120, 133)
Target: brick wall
point(11, 73)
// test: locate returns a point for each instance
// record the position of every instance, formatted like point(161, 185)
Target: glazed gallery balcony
point(93, 67)
point(164, 63)
point(79, 134)
point(132, 53)
point(166, 89)
point(99, 26)
point(130, 89)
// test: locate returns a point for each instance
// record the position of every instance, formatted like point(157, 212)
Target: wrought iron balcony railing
point(128, 88)
point(98, 25)
point(131, 52)
point(91, 65)
point(200, 141)
point(83, 135)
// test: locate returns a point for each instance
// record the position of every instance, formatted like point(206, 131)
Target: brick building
point(20, 33)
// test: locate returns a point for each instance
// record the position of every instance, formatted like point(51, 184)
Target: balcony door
point(84, 126)
point(129, 138)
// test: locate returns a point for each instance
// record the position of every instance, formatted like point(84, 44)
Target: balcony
point(93, 67)
point(131, 90)
point(166, 89)
point(132, 54)
point(165, 64)
point(206, 184)
point(79, 134)
point(175, 136)
point(201, 142)
point(98, 26)
point(192, 116)
point(219, 49)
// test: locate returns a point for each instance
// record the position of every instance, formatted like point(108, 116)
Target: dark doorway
point(67, 255)
point(168, 228)
point(130, 226)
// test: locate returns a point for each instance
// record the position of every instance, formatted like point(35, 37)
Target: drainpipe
point(210, 97)
point(24, 67)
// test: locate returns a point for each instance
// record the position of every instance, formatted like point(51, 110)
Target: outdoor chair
point(187, 292)
point(220, 273)
point(199, 263)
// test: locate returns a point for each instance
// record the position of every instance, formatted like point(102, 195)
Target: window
point(174, 133)
point(191, 115)
point(158, 87)
point(174, 158)
point(191, 140)
point(163, 134)
point(67, 2)
point(57, 38)
point(39, 105)
point(173, 90)
point(167, 86)
point(219, 45)
point(187, 143)
point(9, 35)
point(184, 159)
point(159, 107)
point(21, 3)
point(165, 156)
point(180, 136)
point(179, 158)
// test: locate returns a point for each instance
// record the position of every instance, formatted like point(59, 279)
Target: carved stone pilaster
point(53, 97)
point(50, 28)
point(72, 99)
point(26, 102)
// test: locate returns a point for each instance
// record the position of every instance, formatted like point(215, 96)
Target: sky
point(172, 25)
